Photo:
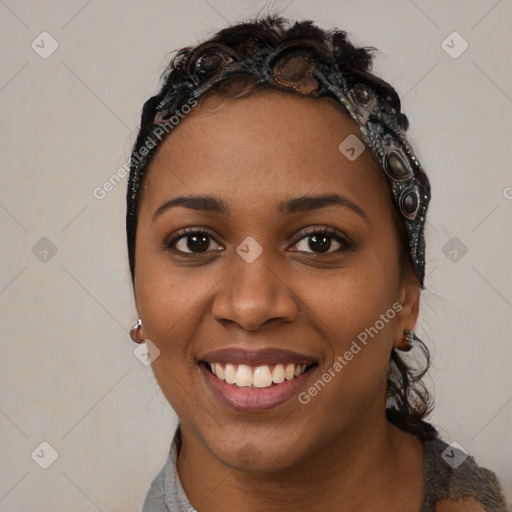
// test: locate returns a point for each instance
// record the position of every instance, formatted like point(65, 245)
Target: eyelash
point(344, 241)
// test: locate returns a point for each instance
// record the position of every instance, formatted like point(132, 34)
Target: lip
point(256, 357)
point(251, 399)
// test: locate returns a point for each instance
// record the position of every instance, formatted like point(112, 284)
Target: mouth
point(253, 381)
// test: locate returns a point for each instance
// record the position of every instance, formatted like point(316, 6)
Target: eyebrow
point(301, 204)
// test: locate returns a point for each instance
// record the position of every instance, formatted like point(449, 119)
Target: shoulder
point(455, 482)
point(166, 493)
point(155, 497)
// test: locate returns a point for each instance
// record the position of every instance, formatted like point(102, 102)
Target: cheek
point(352, 382)
point(354, 316)
point(171, 309)
point(347, 301)
point(172, 305)
point(166, 295)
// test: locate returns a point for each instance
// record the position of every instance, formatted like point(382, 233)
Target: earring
point(408, 340)
point(134, 331)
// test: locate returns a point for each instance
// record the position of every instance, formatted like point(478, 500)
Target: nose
point(253, 294)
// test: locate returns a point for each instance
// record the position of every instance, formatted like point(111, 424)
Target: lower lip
point(251, 399)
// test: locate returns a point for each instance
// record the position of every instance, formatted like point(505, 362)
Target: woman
point(276, 247)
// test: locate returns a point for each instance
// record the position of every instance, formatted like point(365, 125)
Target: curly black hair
point(408, 400)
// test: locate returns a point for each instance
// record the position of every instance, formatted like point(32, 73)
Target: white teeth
point(289, 372)
point(229, 374)
point(278, 374)
point(260, 377)
point(220, 372)
point(243, 376)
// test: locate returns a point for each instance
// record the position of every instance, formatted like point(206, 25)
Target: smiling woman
point(276, 248)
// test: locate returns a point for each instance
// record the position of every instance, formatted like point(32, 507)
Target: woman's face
point(260, 289)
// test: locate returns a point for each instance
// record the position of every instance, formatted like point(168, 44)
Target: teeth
point(260, 377)
point(289, 372)
point(220, 371)
point(229, 374)
point(278, 374)
point(243, 376)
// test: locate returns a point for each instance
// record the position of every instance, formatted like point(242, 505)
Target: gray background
point(68, 373)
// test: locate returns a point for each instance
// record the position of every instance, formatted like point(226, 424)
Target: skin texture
point(338, 452)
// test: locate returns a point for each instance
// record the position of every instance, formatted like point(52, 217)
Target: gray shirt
point(448, 473)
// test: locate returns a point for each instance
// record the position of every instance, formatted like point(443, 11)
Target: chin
point(259, 452)
point(253, 458)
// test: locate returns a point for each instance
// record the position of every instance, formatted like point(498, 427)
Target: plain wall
point(68, 373)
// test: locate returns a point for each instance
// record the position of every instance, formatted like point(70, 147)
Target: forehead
point(269, 141)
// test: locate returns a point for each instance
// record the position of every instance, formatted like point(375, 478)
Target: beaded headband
point(296, 68)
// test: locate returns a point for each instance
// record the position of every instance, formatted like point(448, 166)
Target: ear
point(409, 299)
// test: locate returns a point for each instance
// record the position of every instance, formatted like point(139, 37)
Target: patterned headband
point(296, 68)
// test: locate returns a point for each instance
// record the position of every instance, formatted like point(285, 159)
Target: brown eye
point(321, 241)
point(194, 241)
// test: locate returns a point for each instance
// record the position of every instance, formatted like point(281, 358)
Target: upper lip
point(256, 357)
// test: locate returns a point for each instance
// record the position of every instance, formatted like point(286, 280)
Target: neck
point(372, 465)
